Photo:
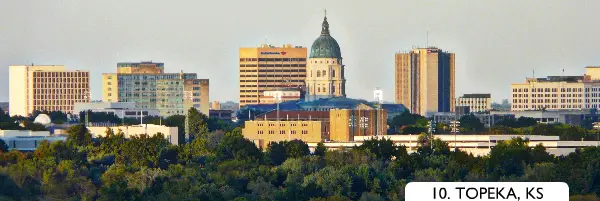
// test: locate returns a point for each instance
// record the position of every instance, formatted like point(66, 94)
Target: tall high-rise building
point(46, 88)
point(325, 71)
point(425, 80)
point(146, 84)
point(268, 68)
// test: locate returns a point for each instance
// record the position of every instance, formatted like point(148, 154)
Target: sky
point(496, 42)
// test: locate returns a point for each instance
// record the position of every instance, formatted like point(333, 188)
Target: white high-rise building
point(46, 88)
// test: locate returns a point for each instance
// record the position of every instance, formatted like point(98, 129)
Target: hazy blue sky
point(496, 43)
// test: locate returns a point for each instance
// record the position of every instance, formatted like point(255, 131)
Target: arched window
point(318, 89)
point(332, 73)
point(324, 89)
point(318, 73)
point(324, 73)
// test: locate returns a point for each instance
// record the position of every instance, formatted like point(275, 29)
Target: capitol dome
point(325, 46)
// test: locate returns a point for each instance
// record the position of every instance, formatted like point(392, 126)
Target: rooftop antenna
point(427, 40)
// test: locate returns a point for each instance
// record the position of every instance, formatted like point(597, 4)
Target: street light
point(454, 125)
point(597, 127)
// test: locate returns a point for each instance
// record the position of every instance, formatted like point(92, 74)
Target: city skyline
point(495, 43)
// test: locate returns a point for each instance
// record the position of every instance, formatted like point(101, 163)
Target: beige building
point(475, 102)
point(340, 125)
point(268, 68)
point(325, 71)
point(146, 84)
point(170, 133)
point(558, 92)
point(46, 88)
point(281, 95)
point(425, 80)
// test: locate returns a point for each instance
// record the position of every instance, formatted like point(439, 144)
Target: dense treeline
point(226, 166)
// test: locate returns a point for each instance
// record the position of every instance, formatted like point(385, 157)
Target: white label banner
point(475, 191)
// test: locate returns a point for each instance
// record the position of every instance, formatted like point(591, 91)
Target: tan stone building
point(475, 102)
point(558, 92)
point(268, 68)
point(281, 95)
point(425, 80)
point(325, 71)
point(315, 126)
point(146, 84)
point(46, 88)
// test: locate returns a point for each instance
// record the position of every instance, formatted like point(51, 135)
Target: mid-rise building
point(281, 95)
point(558, 92)
point(325, 71)
point(268, 68)
point(425, 80)
point(46, 88)
point(340, 125)
point(146, 84)
point(476, 102)
point(120, 109)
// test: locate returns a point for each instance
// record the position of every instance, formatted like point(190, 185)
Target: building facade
point(558, 92)
point(425, 80)
point(325, 71)
point(170, 133)
point(314, 126)
point(146, 84)
point(46, 88)
point(281, 95)
point(120, 109)
point(267, 68)
point(476, 102)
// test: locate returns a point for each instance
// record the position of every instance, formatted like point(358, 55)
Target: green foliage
point(3, 146)
point(197, 124)
point(321, 149)
point(78, 136)
point(584, 198)
point(470, 124)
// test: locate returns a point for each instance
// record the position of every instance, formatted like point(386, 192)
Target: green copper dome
point(325, 46)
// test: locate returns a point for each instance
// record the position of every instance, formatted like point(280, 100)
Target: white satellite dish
point(43, 119)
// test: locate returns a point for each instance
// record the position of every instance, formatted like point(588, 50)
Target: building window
point(318, 73)
point(271, 132)
point(260, 132)
point(293, 132)
point(109, 94)
point(108, 83)
point(324, 74)
point(304, 132)
point(282, 132)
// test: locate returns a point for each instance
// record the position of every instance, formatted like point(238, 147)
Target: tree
point(3, 146)
point(235, 146)
point(383, 149)
point(321, 149)
point(29, 125)
point(276, 152)
point(197, 123)
point(296, 148)
point(470, 124)
point(78, 136)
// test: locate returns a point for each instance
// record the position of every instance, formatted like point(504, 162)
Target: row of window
point(276, 70)
point(271, 59)
point(277, 81)
point(547, 106)
point(60, 74)
point(282, 124)
point(260, 132)
point(273, 65)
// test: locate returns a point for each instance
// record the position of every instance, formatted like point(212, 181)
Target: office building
point(120, 109)
point(170, 133)
point(425, 80)
point(558, 92)
point(315, 126)
point(325, 71)
point(267, 68)
point(225, 115)
point(46, 88)
point(280, 95)
point(146, 84)
point(477, 103)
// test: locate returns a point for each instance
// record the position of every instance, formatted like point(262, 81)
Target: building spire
point(325, 27)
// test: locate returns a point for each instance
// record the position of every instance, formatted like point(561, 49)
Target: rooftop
point(137, 64)
point(476, 96)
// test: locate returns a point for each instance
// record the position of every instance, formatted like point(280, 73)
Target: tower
point(324, 68)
